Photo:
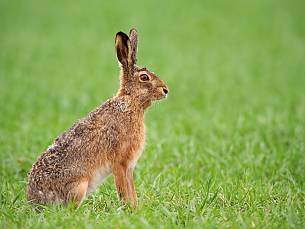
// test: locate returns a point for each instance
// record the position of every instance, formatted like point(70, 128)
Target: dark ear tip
point(121, 36)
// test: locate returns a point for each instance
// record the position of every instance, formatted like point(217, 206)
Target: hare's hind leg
point(77, 193)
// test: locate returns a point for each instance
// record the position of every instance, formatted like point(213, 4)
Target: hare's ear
point(123, 49)
point(133, 36)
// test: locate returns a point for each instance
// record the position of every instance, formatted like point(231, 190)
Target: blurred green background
point(226, 149)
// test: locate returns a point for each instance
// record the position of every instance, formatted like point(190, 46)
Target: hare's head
point(142, 84)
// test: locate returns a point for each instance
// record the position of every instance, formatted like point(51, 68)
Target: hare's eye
point(144, 77)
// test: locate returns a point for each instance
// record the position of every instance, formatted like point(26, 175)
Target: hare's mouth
point(163, 92)
point(163, 96)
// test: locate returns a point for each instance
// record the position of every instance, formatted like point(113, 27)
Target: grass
point(226, 149)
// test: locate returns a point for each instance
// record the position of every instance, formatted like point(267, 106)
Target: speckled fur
point(108, 141)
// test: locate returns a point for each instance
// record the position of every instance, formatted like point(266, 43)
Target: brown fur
point(109, 140)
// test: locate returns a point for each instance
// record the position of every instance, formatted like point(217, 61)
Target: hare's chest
point(137, 154)
point(136, 147)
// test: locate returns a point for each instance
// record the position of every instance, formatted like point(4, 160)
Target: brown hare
point(108, 141)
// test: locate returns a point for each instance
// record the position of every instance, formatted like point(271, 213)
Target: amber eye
point(144, 77)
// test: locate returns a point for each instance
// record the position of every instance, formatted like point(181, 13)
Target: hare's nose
point(165, 90)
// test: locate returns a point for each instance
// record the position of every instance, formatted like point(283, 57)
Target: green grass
point(226, 149)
